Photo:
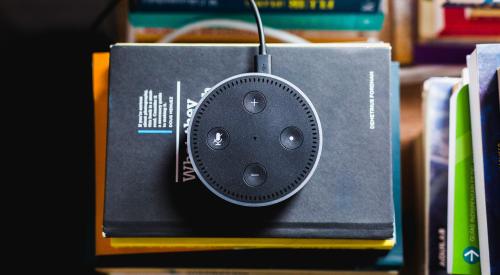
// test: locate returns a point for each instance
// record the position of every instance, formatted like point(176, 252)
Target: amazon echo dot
point(254, 139)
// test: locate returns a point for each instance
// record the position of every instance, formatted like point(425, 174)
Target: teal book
point(298, 21)
point(395, 259)
point(463, 242)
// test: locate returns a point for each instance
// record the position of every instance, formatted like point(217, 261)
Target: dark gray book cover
point(152, 190)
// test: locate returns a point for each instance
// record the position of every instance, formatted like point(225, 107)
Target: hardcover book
point(390, 259)
point(296, 21)
point(457, 23)
point(264, 5)
point(152, 190)
point(395, 256)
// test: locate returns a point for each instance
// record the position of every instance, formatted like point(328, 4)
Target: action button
point(254, 102)
point(291, 138)
point(254, 175)
point(217, 138)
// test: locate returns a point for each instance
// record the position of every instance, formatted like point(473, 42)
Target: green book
point(463, 243)
point(299, 21)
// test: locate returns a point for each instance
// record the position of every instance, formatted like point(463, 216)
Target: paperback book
point(437, 93)
point(463, 243)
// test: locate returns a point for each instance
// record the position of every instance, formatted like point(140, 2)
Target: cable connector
point(262, 60)
point(263, 63)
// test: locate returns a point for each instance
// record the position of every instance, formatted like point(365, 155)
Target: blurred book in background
point(420, 31)
point(230, 6)
point(314, 21)
point(449, 30)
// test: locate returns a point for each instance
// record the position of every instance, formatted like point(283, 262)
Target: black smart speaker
point(255, 139)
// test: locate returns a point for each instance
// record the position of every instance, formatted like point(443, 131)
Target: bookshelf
point(49, 48)
point(417, 74)
point(423, 43)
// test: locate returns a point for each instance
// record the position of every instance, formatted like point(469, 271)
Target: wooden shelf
point(413, 75)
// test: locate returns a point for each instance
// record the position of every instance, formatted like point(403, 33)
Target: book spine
point(456, 23)
point(472, 3)
point(478, 13)
point(437, 93)
point(498, 77)
point(302, 21)
point(426, 20)
point(402, 34)
point(395, 257)
point(485, 118)
point(231, 6)
point(441, 53)
point(463, 242)
point(451, 185)
point(213, 35)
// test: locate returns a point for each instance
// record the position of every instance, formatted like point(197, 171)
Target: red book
point(457, 23)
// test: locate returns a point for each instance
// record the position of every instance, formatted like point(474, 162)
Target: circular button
point(254, 102)
point(217, 138)
point(291, 138)
point(254, 175)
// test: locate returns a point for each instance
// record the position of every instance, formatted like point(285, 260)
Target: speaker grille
point(254, 138)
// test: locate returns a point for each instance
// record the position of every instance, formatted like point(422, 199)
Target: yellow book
point(482, 13)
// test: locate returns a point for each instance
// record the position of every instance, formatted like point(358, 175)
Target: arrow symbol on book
point(470, 254)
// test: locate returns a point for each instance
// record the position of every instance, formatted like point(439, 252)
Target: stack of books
point(462, 167)
point(315, 21)
point(364, 254)
point(448, 30)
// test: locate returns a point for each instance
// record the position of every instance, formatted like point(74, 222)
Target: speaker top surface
point(255, 139)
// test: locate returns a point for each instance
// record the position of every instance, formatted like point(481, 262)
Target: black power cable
point(262, 60)
point(260, 29)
